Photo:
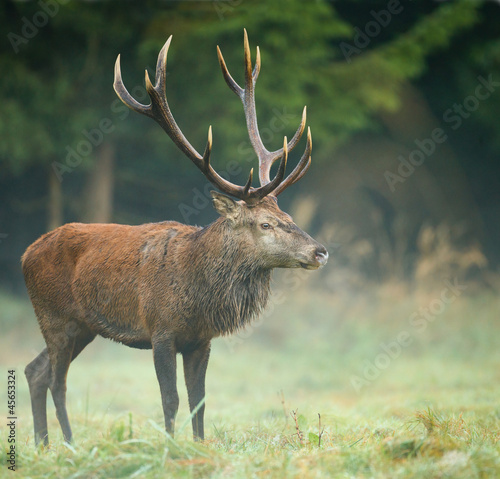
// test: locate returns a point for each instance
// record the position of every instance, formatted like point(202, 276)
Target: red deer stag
point(166, 286)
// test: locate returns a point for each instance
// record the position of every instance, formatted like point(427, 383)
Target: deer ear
point(225, 206)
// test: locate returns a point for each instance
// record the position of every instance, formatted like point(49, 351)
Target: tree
point(60, 118)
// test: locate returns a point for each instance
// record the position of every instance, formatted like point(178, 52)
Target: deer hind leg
point(62, 348)
point(38, 373)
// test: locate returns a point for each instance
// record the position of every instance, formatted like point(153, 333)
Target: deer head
point(256, 220)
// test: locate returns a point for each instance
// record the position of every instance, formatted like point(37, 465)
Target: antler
point(266, 157)
point(159, 111)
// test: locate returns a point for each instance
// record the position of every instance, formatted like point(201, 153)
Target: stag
point(166, 286)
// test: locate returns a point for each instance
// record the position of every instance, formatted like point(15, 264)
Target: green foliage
point(370, 83)
point(60, 82)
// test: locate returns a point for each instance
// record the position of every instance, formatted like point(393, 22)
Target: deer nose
point(321, 255)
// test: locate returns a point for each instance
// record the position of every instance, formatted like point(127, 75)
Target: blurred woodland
point(402, 99)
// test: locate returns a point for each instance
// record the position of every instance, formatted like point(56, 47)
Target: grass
point(431, 412)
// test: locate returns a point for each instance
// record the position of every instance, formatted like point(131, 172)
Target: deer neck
point(234, 286)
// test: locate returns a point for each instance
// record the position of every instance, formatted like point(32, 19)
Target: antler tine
point(256, 68)
point(248, 61)
point(303, 172)
point(227, 76)
point(270, 187)
point(124, 95)
point(248, 184)
point(265, 167)
point(161, 66)
point(208, 150)
point(300, 170)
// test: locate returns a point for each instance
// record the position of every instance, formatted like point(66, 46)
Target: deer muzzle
point(320, 258)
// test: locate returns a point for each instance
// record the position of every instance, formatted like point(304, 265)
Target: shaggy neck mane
point(230, 286)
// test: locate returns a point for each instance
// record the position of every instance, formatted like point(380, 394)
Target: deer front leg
point(165, 365)
point(195, 367)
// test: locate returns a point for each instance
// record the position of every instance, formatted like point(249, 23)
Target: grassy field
point(407, 386)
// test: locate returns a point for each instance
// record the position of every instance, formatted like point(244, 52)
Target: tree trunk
point(99, 189)
point(55, 207)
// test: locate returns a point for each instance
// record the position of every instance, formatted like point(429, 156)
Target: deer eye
point(265, 226)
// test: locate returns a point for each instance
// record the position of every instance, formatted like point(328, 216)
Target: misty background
point(402, 100)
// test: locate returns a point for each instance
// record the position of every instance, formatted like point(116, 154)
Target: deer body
point(164, 286)
point(126, 282)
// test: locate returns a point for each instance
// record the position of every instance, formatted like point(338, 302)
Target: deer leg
point(61, 353)
point(195, 368)
point(165, 365)
point(38, 373)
